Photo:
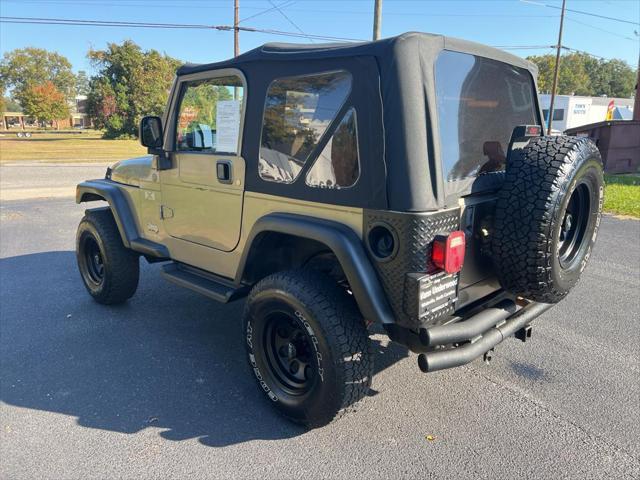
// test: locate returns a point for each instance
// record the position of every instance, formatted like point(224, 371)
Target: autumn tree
point(45, 102)
point(130, 83)
point(22, 69)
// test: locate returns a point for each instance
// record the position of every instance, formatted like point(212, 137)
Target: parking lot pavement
point(159, 387)
point(31, 180)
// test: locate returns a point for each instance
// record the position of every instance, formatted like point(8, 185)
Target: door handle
point(223, 171)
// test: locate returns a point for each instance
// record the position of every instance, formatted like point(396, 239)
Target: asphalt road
point(159, 387)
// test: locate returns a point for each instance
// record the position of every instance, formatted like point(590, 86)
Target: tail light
point(448, 251)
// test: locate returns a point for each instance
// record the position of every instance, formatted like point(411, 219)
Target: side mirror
point(151, 132)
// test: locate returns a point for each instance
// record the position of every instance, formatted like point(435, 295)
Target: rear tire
point(109, 270)
point(547, 217)
point(307, 346)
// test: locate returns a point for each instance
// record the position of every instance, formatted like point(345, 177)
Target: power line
point(279, 9)
point(285, 4)
point(581, 12)
point(300, 35)
point(523, 47)
point(107, 23)
point(195, 26)
point(582, 52)
point(112, 23)
point(271, 9)
point(602, 29)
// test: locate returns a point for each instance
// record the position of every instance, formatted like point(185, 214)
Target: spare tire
point(547, 216)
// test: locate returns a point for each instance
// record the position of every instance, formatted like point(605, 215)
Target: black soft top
point(403, 146)
point(401, 46)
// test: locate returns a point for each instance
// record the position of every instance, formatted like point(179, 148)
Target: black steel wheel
point(109, 271)
point(574, 225)
point(307, 346)
point(94, 265)
point(290, 353)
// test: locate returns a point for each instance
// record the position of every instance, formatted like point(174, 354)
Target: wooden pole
point(556, 70)
point(636, 102)
point(236, 38)
point(377, 19)
point(236, 30)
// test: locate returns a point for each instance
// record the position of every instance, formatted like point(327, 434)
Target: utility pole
point(556, 70)
point(236, 39)
point(236, 30)
point(377, 19)
point(636, 102)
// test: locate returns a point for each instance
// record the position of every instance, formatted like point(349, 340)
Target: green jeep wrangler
point(405, 182)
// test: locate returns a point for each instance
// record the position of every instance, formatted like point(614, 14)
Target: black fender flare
point(109, 191)
point(346, 246)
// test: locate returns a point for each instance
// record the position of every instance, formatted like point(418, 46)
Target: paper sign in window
point(227, 126)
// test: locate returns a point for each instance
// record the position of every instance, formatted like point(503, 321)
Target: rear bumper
point(456, 344)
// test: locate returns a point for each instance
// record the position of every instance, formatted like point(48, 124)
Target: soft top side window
point(209, 115)
point(338, 166)
point(298, 111)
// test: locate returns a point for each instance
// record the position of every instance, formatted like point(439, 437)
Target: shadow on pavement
point(168, 358)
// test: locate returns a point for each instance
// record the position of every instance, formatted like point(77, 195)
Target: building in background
point(570, 111)
point(78, 117)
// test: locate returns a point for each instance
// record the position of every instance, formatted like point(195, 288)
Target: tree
point(7, 104)
point(45, 102)
point(130, 83)
point(10, 105)
point(82, 83)
point(581, 74)
point(613, 78)
point(572, 77)
point(24, 68)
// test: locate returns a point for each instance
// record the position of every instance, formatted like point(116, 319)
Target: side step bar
point(441, 359)
point(203, 282)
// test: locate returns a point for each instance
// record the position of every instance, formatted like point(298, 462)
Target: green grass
point(622, 195)
point(66, 147)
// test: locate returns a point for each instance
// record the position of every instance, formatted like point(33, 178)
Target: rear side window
point(480, 101)
point(298, 111)
point(337, 165)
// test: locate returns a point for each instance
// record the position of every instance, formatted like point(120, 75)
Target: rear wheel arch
point(272, 252)
point(318, 244)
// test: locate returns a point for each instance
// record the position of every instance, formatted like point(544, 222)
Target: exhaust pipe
point(467, 329)
point(455, 357)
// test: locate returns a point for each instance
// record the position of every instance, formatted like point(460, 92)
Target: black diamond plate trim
point(415, 233)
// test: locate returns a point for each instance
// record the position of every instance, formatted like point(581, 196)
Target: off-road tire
point(341, 353)
point(120, 266)
point(530, 221)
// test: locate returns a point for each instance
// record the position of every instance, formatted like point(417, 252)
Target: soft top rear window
point(480, 101)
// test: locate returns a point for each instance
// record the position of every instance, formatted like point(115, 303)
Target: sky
point(491, 22)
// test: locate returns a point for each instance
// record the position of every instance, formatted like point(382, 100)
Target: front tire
point(109, 270)
point(307, 346)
